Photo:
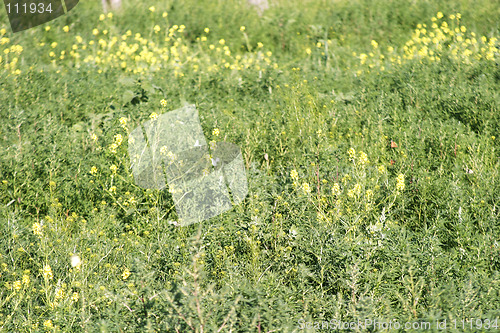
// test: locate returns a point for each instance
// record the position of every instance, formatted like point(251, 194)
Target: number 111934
point(31, 8)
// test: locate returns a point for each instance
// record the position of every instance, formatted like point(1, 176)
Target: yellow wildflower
point(47, 272)
point(352, 154)
point(37, 229)
point(306, 188)
point(59, 293)
point(118, 139)
point(17, 285)
point(336, 189)
point(400, 182)
point(357, 189)
point(126, 273)
point(363, 158)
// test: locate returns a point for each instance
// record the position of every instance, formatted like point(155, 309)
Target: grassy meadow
point(370, 136)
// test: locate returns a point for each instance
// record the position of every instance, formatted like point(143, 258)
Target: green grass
point(373, 167)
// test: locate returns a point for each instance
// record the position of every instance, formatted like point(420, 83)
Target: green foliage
point(371, 154)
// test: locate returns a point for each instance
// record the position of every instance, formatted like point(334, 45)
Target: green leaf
point(128, 95)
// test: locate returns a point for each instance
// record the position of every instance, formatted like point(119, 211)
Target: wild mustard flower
point(369, 195)
point(26, 279)
point(48, 324)
point(336, 189)
point(346, 178)
point(118, 139)
point(113, 147)
point(381, 169)
point(216, 132)
point(357, 189)
point(126, 273)
point(37, 229)
point(47, 272)
point(172, 157)
point(113, 168)
point(153, 116)
point(163, 103)
point(294, 174)
point(306, 188)
point(400, 182)
point(352, 154)
point(65, 28)
point(152, 9)
point(59, 293)
point(17, 285)
point(363, 158)
point(123, 122)
point(75, 297)
point(93, 170)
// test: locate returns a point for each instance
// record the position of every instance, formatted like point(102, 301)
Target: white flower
point(76, 261)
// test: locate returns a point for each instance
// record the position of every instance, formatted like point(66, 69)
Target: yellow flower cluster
point(400, 182)
point(11, 54)
point(47, 272)
point(126, 273)
point(37, 229)
point(432, 43)
point(135, 53)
